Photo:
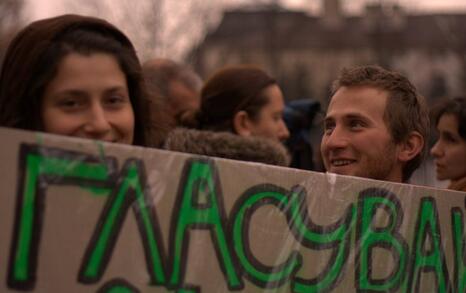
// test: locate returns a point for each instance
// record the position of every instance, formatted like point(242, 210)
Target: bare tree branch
point(158, 28)
point(10, 21)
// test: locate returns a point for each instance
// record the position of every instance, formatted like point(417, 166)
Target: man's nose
point(337, 138)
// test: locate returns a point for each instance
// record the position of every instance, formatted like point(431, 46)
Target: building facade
point(305, 53)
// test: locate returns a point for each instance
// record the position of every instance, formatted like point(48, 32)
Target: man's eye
point(356, 124)
point(328, 128)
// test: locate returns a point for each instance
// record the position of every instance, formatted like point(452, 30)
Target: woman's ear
point(242, 123)
point(411, 147)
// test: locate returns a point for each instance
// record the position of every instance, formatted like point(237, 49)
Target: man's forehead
point(359, 95)
point(360, 90)
point(358, 101)
point(347, 115)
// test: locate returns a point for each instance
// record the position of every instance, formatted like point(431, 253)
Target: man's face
point(356, 139)
point(183, 98)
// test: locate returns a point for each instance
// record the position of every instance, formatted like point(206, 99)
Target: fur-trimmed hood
point(227, 145)
point(458, 184)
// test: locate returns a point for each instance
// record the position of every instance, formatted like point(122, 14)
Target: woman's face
point(450, 150)
point(89, 98)
point(269, 122)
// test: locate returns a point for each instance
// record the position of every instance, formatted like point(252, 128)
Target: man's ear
point(242, 123)
point(411, 146)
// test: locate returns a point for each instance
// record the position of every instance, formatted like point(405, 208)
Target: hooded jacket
point(24, 61)
point(227, 145)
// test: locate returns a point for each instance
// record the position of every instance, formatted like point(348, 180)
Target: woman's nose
point(97, 121)
point(436, 151)
point(283, 133)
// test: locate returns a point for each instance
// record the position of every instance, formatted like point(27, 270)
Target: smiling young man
point(375, 127)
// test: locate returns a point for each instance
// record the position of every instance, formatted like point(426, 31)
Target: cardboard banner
point(84, 216)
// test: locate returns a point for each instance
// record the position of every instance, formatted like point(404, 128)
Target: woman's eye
point(69, 103)
point(449, 138)
point(115, 100)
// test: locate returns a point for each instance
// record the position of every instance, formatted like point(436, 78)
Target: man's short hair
point(160, 72)
point(406, 110)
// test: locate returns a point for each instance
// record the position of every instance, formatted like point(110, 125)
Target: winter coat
point(227, 145)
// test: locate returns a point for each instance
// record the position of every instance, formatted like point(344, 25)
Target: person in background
point(240, 117)
point(177, 86)
point(376, 125)
point(77, 76)
point(449, 151)
point(299, 116)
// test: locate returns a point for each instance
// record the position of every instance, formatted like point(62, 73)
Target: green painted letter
point(199, 205)
point(336, 236)
point(369, 237)
point(128, 192)
point(260, 274)
point(459, 245)
point(430, 258)
point(38, 168)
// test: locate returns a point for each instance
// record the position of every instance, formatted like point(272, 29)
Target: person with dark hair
point(299, 116)
point(77, 76)
point(376, 125)
point(240, 117)
point(175, 85)
point(449, 151)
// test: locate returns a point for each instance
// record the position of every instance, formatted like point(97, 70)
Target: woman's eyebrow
point(71, 92)
point(116, 89)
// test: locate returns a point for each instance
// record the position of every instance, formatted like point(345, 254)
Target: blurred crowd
point(80, 76)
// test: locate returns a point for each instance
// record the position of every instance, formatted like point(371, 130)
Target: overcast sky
point(46, 8)
point(177, 47)
point(416, 5)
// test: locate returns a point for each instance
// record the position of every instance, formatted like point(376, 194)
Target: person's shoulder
point(227, 145)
